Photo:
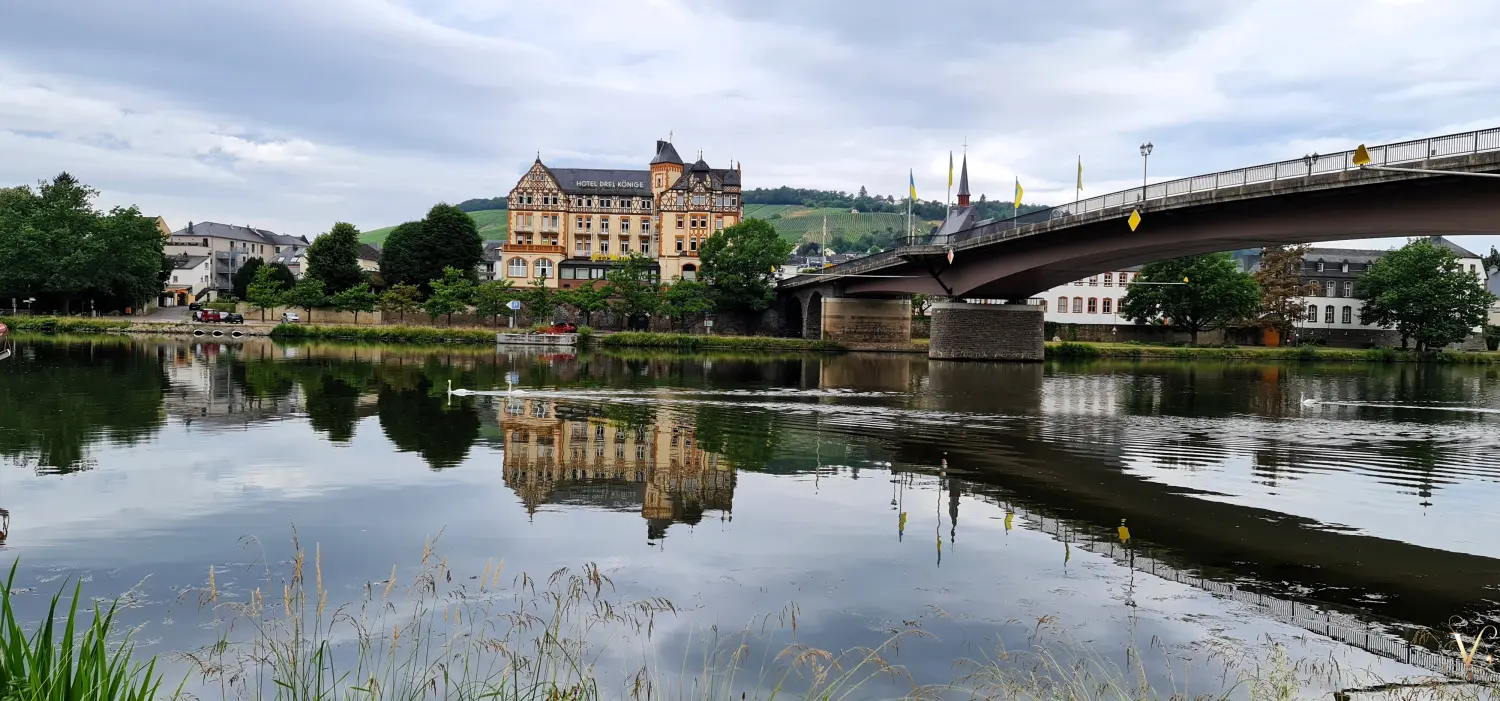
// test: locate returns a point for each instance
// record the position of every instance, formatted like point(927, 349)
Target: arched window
point(690, 272)
point(516, 267)
point(544, 268)
point(1348, 315)
point(1108, 307)
point(1077, 305)
point(1062, 305)
point(1312, 312)
point(1093, 305)
point(1328, 314)
point(1329, 287)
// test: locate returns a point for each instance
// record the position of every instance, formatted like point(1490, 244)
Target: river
point(1343, 511)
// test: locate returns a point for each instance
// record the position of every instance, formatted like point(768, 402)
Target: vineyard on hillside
point(494, 225)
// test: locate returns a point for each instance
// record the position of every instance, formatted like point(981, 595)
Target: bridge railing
point(1387, 154)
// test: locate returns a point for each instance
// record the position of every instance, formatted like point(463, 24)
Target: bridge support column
point(867, 324)
point(986, 332)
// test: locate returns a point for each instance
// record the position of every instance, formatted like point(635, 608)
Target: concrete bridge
point(864, 303)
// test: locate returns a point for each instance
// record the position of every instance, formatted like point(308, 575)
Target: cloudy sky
point(290, 115)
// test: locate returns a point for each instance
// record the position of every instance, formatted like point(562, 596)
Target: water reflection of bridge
point(569, 456)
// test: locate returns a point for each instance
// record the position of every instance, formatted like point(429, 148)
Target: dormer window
point(1320, 266)
point(1345, 267)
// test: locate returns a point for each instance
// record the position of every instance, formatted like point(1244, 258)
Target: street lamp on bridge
point(1145, 159)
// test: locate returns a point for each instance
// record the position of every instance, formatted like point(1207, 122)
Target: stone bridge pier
point(962, 331)
point(855, 323)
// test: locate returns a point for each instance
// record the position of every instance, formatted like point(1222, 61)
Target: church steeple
point(963, 183)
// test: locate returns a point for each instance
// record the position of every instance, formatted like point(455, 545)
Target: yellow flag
point(1010, 516)
point(1019, 192)
point(1080, 172)
point(950, 169)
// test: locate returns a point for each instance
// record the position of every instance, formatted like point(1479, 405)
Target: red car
point(207, 316)
point(561, 328)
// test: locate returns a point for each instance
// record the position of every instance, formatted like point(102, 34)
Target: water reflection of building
point(202, 388)
point(568, 456)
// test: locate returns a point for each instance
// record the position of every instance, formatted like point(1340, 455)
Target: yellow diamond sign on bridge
point(1135, 219)
point(1361, 156)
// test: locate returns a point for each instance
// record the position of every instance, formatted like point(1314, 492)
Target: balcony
point(532, 248)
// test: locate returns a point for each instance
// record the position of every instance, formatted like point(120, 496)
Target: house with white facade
point(1332, 315)
point(190, 280)
point(228, 247)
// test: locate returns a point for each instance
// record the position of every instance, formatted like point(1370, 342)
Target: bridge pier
point(865, 324)
point(986, 332)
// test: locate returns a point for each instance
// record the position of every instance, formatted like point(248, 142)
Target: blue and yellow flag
point(1019, 191)
point(913, 185)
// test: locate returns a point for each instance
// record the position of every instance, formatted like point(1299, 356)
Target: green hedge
point(64, 324)
point(222, 306)
point(1301, 353)
point(682, 341)
point(384, 334)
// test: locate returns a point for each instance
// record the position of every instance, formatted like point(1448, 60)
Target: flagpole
point(948, 201)
point(908, 220)
point(1078, 190)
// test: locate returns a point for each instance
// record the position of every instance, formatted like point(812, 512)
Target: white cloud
point(293, 115)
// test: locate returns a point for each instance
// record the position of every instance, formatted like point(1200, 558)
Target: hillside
point(494, 225)
point(847, 231)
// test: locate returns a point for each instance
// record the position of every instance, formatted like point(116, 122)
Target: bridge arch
point(793, 322)
point(812, 327)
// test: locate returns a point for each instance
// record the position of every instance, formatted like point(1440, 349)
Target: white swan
point(460, 392)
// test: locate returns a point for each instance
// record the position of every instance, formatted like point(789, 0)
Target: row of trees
point(61, 251)
point(865, 202)
point(1420, 290)
point(737, 266)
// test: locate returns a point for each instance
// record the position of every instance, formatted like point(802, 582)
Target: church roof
point(963, 178)
point(665, 153)
point(960, 219)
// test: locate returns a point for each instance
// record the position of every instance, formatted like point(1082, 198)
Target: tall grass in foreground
point(438, 634)
point(77, 663)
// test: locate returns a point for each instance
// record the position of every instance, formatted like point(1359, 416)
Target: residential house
point(1494, 287)
point(369, 258)
point(229, 246)
point(489, 264)
point(190, 281)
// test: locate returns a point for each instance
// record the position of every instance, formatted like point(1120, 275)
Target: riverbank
point(1077, 350)
point(682, 341)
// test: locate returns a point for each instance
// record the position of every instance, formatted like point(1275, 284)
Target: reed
point(79, 662)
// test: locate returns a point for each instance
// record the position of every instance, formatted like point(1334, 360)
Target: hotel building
point(568, 226)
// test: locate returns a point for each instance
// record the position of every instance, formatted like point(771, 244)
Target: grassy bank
point(1071, 349)
point(682, 341)
point(385, 334)
point(64, 324)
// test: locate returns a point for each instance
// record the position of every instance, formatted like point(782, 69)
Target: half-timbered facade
point(568, 226)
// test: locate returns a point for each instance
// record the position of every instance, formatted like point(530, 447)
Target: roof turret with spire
point(963, 183)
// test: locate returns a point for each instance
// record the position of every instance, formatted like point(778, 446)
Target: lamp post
point(1309, 160)
point(1145, 159)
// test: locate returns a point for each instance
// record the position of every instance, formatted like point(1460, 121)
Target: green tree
point(632, 288)
point(417, 252)
point(540, 301)
point(309, 295)
point(1492, 259)
point(587, 299)
point(1283, 291)
point(283, 274)
point(492, 298)
point(452, 293)
point(333, 259)
point(1201, 293)
point(1423, 292)
point(686, 298)
point(739, 264)
point(266, 291)
point(400, 299)
point(240, 281)
point(355, 299)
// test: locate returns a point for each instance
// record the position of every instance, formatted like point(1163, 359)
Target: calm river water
point(1301, 504)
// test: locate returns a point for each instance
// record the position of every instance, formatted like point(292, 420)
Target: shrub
point(64, 324)
point(1070, 349)
point(383, 334)
point(585, 333)
point(222, 306)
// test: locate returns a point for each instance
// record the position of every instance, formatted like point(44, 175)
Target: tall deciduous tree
point(451, 293)
point(492, 298)
point(686, 299)
point(739, 265)
point(586, 300)
point(1283, 291)
point(400, 299)
point(1492, 259)
point(1425, 293)
point(355, 299)
point(1201, 293)
point(266, 290)
point(240, 281)
point(633, 289)
point(309, 295)
point(333, 258)
point(417, 252)
point(403, 256)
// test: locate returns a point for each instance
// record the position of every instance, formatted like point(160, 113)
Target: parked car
point(212, 317)
point(233, 318)
point(195, 306)
point(290, 318)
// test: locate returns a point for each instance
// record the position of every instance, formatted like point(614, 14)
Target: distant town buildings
point(226, 247)
point(569, 226)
